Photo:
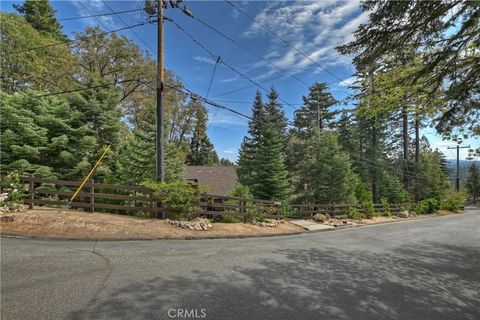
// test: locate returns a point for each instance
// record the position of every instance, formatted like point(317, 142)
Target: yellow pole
point(89, 174)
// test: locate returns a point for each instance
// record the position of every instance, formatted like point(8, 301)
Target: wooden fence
point(139, 199)
point(134, 199)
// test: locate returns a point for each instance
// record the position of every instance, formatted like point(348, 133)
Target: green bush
point(427, 206)
point(13, 191)
point(230, 219)
point(453, 200)
point(241, 191)
point(354, 214)
point(178, 197)
point(386, 207)
point(369, 210)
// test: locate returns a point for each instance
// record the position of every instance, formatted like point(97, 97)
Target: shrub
point(369, 210)
point(453, 200)
point(354, 214)
point(241, 191)
point(230, 219)
point(178, 197)
point(427, 206)
point(13, 191)
point(386, 207)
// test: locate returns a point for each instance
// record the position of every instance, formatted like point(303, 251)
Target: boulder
point(403, 214)
point(319, 217)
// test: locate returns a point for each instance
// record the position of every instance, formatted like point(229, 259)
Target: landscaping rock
point(198, 224)
point(272, 223)
point(6, 219)
point(403, 214)
point(319, 217)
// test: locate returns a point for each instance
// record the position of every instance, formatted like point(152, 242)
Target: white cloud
point(348, 81)
point(230, 151)
point(225, 119)
point(315, 28)
point(204, 59)
point(87, 8)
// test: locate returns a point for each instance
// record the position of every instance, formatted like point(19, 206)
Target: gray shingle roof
point(221, 179)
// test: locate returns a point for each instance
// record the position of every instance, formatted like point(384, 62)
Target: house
point(221, 179)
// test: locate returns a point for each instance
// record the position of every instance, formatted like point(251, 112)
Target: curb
point(34, 237)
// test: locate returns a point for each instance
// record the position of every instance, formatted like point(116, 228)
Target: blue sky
point(316, 28)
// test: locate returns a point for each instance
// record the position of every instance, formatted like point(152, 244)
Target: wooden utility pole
point(160, 165)
point(457, 179)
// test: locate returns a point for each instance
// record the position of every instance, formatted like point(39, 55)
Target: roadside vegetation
point(61, 105)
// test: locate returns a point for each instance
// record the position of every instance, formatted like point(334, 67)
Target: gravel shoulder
point(51, 222)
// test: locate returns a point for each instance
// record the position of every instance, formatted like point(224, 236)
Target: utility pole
point(160, 165)
point(457, 179)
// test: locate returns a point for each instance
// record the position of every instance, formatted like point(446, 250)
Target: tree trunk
point(417, 154)
point(405, 145)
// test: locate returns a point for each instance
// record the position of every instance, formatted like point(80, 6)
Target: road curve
point(424, 269)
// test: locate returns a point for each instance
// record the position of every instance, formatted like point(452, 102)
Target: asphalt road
point(427, 269)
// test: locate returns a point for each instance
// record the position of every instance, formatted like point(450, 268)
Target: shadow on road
point(425, 281)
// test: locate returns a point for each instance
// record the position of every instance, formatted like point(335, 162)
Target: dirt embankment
point(51, 222)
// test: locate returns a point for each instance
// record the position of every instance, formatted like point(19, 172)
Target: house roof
point(221, 179)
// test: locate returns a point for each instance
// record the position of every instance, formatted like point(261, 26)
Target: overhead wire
point(131, 30)
point(222, 61)
point(100, 15)
point(69, 41)
point(249, 50)
point(286, 43)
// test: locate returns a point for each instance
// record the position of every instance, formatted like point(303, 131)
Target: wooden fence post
point(30, 189)
point(92, 196)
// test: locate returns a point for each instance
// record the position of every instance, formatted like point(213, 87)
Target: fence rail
point(142, 199)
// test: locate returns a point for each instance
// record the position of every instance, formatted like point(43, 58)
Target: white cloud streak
point(315, 28)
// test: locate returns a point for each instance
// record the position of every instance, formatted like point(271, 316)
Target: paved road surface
point(428, 269)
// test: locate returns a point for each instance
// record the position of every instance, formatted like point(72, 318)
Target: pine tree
point(316, 113)
point(202, 152)
point(327, 171)
point(137, 155)
point(392, 189)
point(263, 153)
point(41, 15)
point(249, 146)
point(271, 177)
point(473, 182)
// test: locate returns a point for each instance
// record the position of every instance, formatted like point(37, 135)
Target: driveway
point(424, 269)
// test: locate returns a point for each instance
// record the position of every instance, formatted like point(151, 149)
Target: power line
point(196, 96)
point(213, 75)
point(74, 40)
point(125, 23)
point(100, 15)
point(96, 18)
point(87, 88)
point(223, 62)
point(246, 87)
point(285, 42)
point(249, 50)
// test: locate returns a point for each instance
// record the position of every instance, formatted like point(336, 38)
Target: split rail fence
point(141, 200)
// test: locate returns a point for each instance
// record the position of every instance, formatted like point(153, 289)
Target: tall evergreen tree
point(202, 152)
point(316, 113)
point(41, 15)
point(136, 156)
point(473, 182)
point(270, 180)
point(249, 146)
point(327, 171)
